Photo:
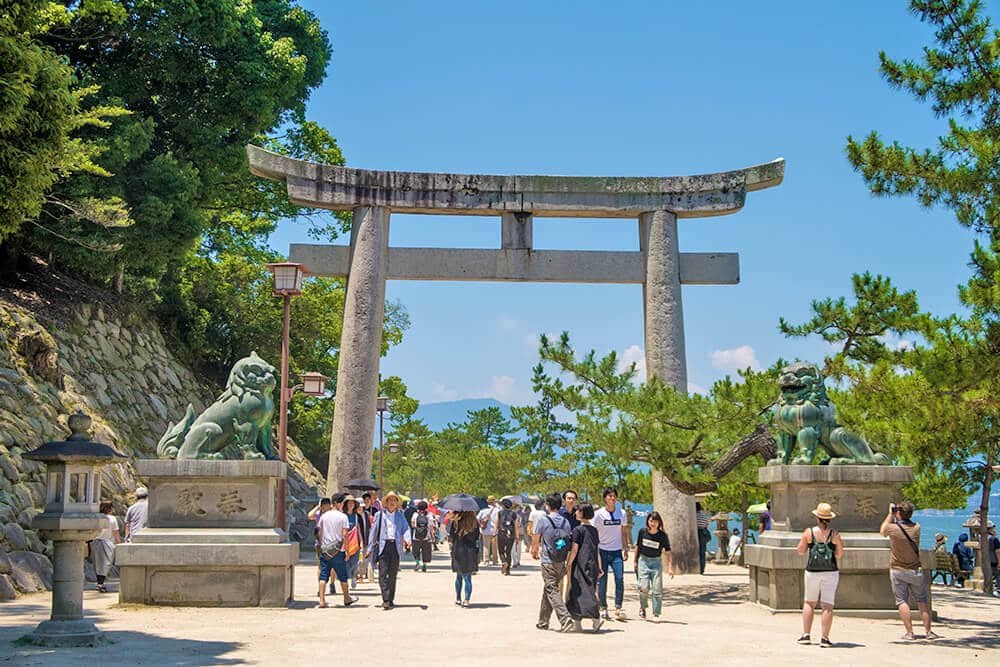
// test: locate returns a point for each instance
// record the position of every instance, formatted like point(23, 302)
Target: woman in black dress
point(583, 569)
point(463, 531)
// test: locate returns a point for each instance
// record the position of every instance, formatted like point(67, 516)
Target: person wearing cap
point(508, 532)
point(824, 546)
point(488, 528)
point(137, 516)
point(390, 536)
point(905, 574)
point(424, 528)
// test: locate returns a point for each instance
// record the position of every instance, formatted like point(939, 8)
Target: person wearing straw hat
point(390, 536)
point(824, 546)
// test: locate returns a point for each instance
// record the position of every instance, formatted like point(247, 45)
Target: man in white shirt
point(488, 529)
point(332, 527)
point(611, 527)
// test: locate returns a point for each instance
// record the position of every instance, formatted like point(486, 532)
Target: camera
point(892, 507)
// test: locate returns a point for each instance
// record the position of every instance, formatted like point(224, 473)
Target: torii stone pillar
point(657, 202)
point(665, 359)
point(360, 348)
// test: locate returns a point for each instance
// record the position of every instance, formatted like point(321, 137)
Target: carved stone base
point(860, 496)
point(211, 540)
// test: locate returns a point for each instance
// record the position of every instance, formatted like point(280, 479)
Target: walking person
point(137, 516)
point(313, 515)
point(704, 520)
point(610, 524)
point(993, 546)
point(824, 546)
point(488, 529)
point(568, 510)
point(650, 544)
point(583, 569)
point(103, 546)
point(333, 527)
point(390, 537)
point(508, 530)
point(368, 509)
point(551, 543)
point(905, 573)
point(515, 551)
point(424, 528)
point(463, 532)
point(352, 545)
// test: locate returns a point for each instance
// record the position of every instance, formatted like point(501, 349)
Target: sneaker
point(604, 614)
point(542, 626)
point(642, 613)
point(825, 643)
point(620, 615)
point(804, 639)
point(908, 637)
point(458, 603)
point(568, 626)
point(387, 606)
point(348, 603)
point(423, 568)
point(932, 635)
point(465, 604)
point(598, 622)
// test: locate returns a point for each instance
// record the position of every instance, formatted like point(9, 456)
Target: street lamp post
point(287, 283)
point(382, 406)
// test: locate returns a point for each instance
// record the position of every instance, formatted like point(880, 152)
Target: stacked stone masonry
point(121, 371)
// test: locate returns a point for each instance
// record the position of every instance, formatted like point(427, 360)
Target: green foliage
point(44, 123)
point(685, 437)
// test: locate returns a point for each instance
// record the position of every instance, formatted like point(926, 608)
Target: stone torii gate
point(368, 262)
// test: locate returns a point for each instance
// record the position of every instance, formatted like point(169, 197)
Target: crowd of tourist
point(578, 547)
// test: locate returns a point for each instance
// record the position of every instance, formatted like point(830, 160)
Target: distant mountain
point(439, 415)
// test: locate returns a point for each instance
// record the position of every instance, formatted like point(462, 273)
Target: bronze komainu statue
point(806, 419)
point(236, 426)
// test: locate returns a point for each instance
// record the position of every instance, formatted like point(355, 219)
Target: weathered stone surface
point(520, 265)
point(10, 471)
point(32, 572)
point(340, 188)
point(360, 345)
point(7, 591)
point(15, 537)
point(5, 564)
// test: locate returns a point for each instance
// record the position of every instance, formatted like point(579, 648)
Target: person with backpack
point(508, 530)
point(583, 569)
point(824, 546)
point(905, 573)
point(551, 543)
point(424, 525)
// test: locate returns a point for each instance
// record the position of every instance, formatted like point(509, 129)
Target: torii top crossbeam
point(342, 188)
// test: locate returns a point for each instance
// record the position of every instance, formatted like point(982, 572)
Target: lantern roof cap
point(77, 448)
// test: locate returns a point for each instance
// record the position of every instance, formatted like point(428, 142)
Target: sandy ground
point(706, 621)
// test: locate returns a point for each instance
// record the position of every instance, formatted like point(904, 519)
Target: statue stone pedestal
point(860, 496)
point(211, 540)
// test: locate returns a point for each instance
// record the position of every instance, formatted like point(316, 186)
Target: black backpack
point(822, 555)
point(508, 519)
point(420, 528)
point(558, 547)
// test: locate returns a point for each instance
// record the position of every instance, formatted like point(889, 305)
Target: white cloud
point(633, 354)
point(502, 388)
point(441, 393)
point(735, 359)
point(696, 389)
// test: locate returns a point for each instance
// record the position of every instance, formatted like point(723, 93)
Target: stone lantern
point(71, 517)
point(722, 535)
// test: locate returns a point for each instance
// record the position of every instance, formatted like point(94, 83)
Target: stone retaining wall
point(121, 372)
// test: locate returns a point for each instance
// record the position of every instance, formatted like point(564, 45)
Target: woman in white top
point(103, 546)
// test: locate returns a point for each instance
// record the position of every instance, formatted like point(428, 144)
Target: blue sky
point(634, 89)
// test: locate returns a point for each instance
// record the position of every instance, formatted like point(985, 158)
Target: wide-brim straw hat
point(940, 537)
point(350, 497)
point(391, 494)
point(824, 511)
point(491, 499)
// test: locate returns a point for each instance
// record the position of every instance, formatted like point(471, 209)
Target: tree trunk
point(120, 276)
point(746, 525)
point(984, 536)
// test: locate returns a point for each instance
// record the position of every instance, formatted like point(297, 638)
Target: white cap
point(141, 492)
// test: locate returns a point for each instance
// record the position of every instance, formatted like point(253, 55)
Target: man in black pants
point(508, 531)
point(390, 535)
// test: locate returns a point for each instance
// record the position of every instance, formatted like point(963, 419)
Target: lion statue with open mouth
point(806, 419)
point(236, 426)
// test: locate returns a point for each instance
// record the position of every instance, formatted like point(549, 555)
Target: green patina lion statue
point(805, 417)
point(236, 426)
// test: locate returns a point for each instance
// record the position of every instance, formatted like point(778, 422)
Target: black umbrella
point(459, 502)
point(362, 485)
